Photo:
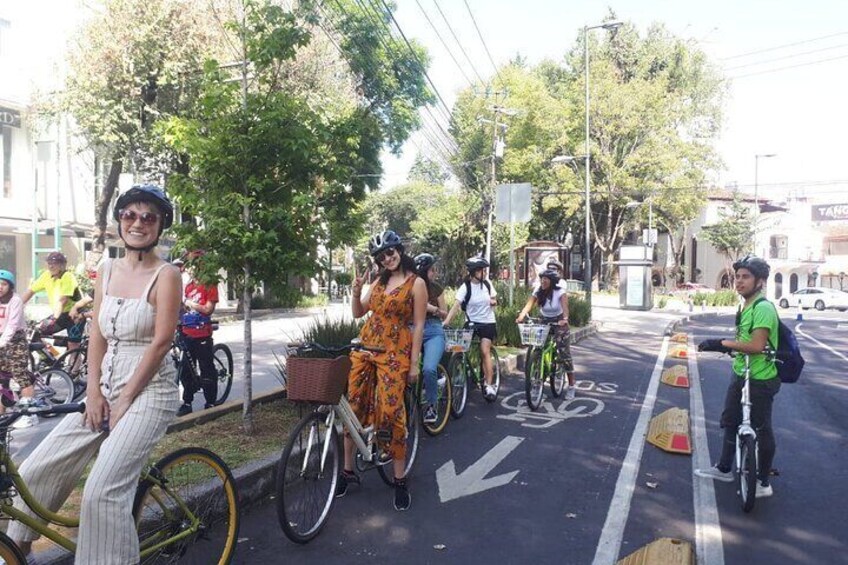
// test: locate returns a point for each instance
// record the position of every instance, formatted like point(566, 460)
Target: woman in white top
point(553, 308)
point(478, 298)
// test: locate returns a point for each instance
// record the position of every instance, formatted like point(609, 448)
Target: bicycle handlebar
point(344, 349)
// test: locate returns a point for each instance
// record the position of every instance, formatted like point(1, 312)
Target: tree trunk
point(101, 209)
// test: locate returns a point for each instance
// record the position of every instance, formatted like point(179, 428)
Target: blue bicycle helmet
point(8, 277)
point(384, 240)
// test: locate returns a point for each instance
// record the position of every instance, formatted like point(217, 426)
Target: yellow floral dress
point(377, 381)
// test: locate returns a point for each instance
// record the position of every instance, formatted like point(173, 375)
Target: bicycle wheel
point(223, 358)
point(443, 403)
point(188, 490)
point(459, 385)
point(56, 386)
point(558, 378)
point(75, 363)
point(747, 471)
point(534, 383)
point(410, 400)
point(10, 553)
point(306, 488)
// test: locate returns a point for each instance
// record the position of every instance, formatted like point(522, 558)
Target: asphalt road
point(581, 484)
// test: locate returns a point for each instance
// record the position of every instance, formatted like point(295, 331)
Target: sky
point(799, 113)
point(796, 113)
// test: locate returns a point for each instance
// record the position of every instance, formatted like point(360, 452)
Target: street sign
point(473, 479)
point(512, 202)
point(649, 236)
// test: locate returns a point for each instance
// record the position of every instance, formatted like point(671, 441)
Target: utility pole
point(497, 151)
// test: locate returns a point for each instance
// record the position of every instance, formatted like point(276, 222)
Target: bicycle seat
point(36, 346)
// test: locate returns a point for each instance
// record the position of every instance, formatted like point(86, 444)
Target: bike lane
point(502, 484)
point(804, 521)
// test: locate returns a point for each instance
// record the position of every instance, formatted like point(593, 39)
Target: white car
point(818, 298)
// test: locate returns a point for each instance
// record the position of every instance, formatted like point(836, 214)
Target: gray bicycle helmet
point(552, 275)
point(758, 267)
point(151, 194)
point(476, 263)
point(423, 262)
point(384, 240)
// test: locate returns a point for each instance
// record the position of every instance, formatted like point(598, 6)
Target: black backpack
point(468, 293)
point(788, 357)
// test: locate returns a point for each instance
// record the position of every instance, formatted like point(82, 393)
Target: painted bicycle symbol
point(550, 414)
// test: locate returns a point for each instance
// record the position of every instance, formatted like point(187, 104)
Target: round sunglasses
point(390, 252)
point(130, 216)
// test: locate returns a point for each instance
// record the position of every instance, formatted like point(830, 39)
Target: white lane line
point(609, 544)
point(709, 548)
point(811, 338)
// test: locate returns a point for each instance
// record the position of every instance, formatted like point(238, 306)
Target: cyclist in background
point(14, 350)
point(555, 265)
point(756, 327)
point(397, 300)
point(478, 298)
point(434, 332)
point(552, 301)
point(199, 305)
point(62, 292)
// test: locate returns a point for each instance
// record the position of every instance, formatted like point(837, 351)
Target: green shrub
point(309, 301)
point(724, 297)
point(331, 332)
point(662, 301)
point(578, 310)
point(344, 279)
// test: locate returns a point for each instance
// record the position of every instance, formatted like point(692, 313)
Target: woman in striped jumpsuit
point(132, 395)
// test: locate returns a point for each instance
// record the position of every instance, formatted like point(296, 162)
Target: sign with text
point(512, 202)
point(9, 117)
point(830, 212)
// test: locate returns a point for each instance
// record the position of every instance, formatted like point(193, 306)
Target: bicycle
point(311, 460)
point(179, 499)
point(541, 362)
point(75, 363)
point(467, 364)
point(747, 452)
point(222, 357)
point(53, 386)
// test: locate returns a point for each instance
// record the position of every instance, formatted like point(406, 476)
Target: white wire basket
point(458, 340)
point(534, 334)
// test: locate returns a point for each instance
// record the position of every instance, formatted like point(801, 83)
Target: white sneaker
point(490, 391)
point(25, 422)
point(763, 491)
point(715, 474)
point(570, 393)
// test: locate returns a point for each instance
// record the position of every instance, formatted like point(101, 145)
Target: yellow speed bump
point(677, 375)
point(664, 551)
point(670, 431)
point(680, 338)
point(679, 352)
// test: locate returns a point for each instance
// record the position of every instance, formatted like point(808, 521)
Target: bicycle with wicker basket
point(541, 362)
point(466, 365)
point(311, 460)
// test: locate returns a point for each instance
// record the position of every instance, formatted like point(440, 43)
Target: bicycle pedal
point(384, 436)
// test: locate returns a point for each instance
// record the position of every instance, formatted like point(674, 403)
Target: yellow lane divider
point(678, 375)
point(670, 431)
point(664, 551)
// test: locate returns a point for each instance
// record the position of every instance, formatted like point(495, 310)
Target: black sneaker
point(208, 405)
point(403, 500)
point(184, 409)
point(346, 478)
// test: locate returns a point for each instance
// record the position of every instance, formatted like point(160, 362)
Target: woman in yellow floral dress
point(376, 384)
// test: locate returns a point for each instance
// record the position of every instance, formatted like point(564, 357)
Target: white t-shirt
point(479, 310)
point(553, 307)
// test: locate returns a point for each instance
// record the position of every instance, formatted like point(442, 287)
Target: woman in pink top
point(14, 351)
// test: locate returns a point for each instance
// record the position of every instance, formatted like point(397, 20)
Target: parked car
point(690, 288)
point(817, 297)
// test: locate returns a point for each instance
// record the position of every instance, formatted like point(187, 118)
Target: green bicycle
point(466, 364)
point(541, 362)
point(178, 501)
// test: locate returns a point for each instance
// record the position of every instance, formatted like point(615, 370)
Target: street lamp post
point(587, 251)
point(757, 192)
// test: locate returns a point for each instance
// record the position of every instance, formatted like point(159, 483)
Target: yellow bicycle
point(178, 501)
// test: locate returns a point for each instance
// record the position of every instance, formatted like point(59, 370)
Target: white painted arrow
point(472, 480)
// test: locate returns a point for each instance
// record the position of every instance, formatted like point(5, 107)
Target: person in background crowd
point(62, 293)
point(434, 332)
point(14, 350)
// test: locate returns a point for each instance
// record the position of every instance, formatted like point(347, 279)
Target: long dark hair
point(544, 295)
point(407, 265)
point(424, 275)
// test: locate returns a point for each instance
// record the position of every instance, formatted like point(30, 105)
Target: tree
point(131, 66)
point(733, 234)
point(271, 175)
point(428, 171)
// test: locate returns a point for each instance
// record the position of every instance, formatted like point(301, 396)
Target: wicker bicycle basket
point(458, 340)
point(534, 334)
point(320, 381)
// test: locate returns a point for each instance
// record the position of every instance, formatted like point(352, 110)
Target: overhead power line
point(807, 64)
point(458, 42)
point(766, 50)
point(784, 57)
point(483, 41)
point(444, 44)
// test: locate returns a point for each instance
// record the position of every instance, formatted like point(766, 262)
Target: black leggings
point(762, 398)
point(200, 350)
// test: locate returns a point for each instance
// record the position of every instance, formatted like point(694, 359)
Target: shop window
point(778, 247)
point(778, 285)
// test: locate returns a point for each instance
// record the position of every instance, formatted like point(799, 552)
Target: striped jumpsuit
point(107, 533)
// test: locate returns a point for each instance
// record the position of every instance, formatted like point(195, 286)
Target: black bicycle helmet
point(384, 240)
point(758, 267)
point(551, 274)
point(476, 263)
point(151, 194)
point(423, 262)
